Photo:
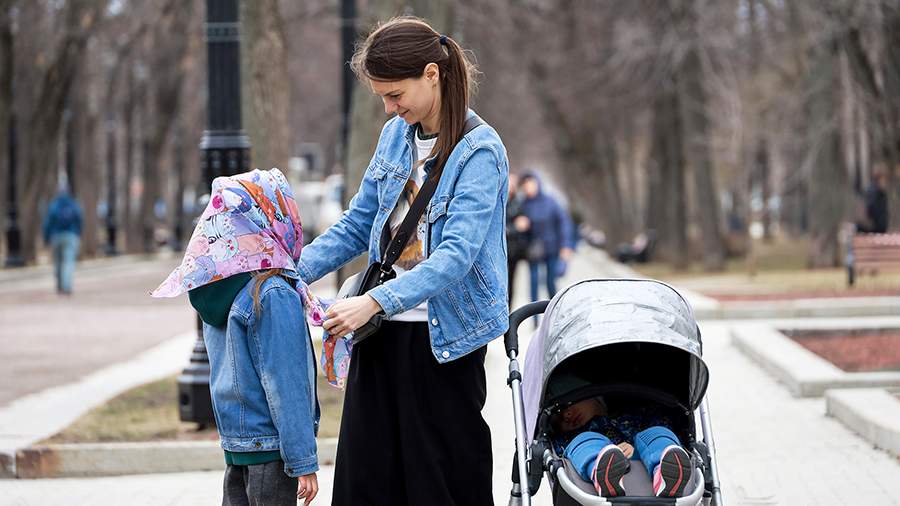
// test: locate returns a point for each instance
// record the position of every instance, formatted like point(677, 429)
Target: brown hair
point(261, 277)
point(400, 49)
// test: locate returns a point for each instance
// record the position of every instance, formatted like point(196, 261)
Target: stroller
point(636, 344)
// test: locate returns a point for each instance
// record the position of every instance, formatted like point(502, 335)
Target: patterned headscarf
point(250, 223)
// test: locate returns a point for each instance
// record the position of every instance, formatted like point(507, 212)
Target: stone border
point(873, 413)
point(799, 308)
point(111, 459)
point(802, 371)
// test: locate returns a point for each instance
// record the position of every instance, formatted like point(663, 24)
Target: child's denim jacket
point(464, 276)
point(262, 377)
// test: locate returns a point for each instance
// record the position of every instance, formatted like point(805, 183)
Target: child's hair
point(261, 277)
point(400, 49)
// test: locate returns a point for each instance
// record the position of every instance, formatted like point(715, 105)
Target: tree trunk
point(167, 70)
point(666, 201)
point(696, 126)
point(266, 93)
point(828, 188)
point(130, 108)
point(6, 102)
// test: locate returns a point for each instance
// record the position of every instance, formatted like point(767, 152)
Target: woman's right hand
point(308, 487)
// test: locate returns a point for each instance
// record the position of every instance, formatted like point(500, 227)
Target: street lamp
point(224, 150)
point(111, 186)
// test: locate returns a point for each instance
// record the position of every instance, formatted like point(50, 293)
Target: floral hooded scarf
point(252, 223)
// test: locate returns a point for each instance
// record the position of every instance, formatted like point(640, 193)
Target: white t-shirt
point(416, 248)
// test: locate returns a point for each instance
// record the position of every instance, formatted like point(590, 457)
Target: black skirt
point(412, 430)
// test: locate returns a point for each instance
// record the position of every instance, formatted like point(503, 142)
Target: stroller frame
point(531, 461)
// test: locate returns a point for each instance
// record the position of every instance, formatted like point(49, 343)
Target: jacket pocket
point(483, 284)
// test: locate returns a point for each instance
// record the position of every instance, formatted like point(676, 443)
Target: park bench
point(871, 253)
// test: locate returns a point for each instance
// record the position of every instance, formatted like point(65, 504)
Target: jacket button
point(445, 354)
point(434, 322)
point(257, 444)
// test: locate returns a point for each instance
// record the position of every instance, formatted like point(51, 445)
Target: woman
point(412, 430)
point(551, 238)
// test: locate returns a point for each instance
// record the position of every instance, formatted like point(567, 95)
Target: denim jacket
point(463, 277)
point(262, 377)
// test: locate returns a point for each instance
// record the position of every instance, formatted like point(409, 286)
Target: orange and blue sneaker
point(609, 470)
point(673, 473)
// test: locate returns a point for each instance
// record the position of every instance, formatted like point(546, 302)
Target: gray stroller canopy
point(601, 312)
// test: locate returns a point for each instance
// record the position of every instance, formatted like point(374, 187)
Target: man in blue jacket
point(62, 231)
point(551, 238)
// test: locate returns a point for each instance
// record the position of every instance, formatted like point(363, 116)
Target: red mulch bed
point(754, 297)
point(862, 351)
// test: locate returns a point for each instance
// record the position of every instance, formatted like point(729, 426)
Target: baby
point(584, 434)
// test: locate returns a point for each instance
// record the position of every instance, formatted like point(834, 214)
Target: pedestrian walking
point(412, 431)
point(876, 205)
point(241, 276)
point(551, 238)
point(62, 231)
point(516, 233)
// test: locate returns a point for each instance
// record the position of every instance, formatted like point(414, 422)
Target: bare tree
point(79, 22)
point(266, 100)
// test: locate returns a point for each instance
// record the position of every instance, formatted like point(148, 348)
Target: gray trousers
point(259, 485)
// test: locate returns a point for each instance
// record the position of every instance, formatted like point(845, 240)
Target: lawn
point(150, 413)
point(776, 269)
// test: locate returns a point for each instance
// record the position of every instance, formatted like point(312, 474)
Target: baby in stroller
point(599, 444)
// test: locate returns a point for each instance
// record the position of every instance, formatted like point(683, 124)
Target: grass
point(778, 267)
point(150, 413)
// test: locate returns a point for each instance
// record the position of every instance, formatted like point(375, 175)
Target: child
point(240, 274)
point(585, 434)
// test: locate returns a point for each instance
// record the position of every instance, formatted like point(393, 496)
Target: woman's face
point(416, 100)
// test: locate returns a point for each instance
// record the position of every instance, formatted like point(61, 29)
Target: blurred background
point(710, 123)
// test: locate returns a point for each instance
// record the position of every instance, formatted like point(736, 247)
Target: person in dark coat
point(876, 205)
point(62, 232)
point(516, 232)
point(551, 239)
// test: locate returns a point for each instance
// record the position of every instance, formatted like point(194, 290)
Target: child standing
point(240, 274)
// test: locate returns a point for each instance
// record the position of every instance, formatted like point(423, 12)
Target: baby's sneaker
point(610, 468)
point(673, 473)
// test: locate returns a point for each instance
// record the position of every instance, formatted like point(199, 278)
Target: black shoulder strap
point(395, 248)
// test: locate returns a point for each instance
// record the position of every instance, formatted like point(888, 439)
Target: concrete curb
point(708, 308)
point(872, 413)
point(801, 308)
point(802, 371)
point(113, 459)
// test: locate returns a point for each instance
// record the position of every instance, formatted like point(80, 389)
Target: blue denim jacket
point(464, 276)
point(262, 377)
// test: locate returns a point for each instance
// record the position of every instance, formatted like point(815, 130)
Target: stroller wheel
point(609, 471)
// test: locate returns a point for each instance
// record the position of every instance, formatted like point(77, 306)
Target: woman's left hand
point(347, 315)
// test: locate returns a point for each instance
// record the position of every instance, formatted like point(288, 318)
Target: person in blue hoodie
point(551, 240)
point(62, 231)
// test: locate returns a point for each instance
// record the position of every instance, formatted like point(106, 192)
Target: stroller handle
point(511, 340)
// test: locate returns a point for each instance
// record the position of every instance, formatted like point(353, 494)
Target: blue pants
point(648, 446)
point(65, 252)
point(551, 270)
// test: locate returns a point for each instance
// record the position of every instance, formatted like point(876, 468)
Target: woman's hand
point(565, 254)
point(347, 315)
point(308, 487)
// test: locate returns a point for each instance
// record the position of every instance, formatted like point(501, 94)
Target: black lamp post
point(111, 186)
point(13, 234)
point(224, 150)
